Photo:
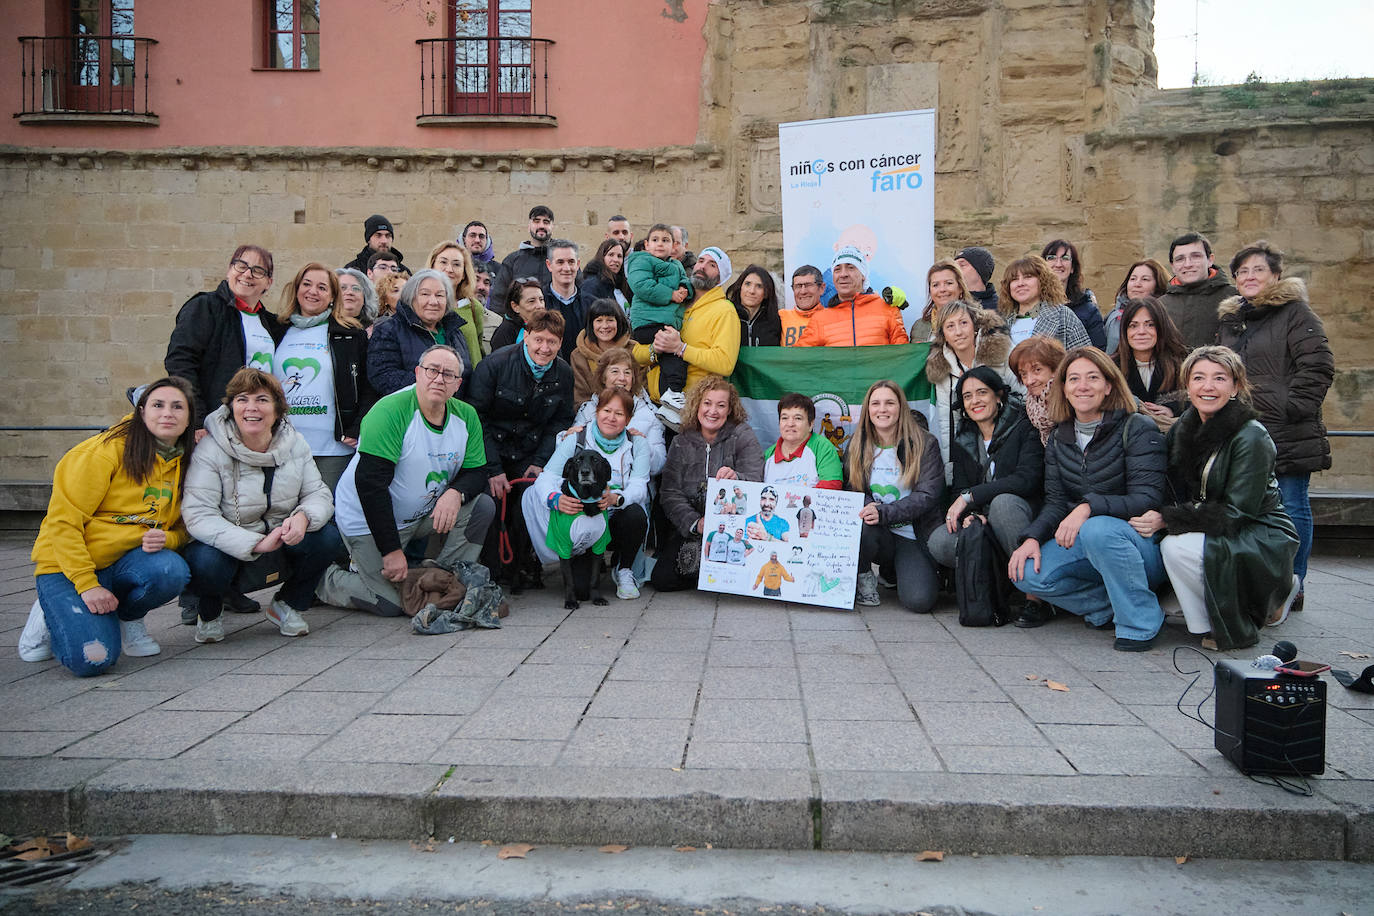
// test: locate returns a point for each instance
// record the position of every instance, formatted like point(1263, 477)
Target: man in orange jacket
point(853, 318)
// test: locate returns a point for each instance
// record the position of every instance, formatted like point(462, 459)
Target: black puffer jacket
point(1085, 307)
point(521, 415)
point(360, 260)
point(1018, 459)
point(206, 347)
point(1122, 473)
point(1289, 362)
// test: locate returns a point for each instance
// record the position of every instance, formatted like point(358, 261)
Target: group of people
point(378, 416)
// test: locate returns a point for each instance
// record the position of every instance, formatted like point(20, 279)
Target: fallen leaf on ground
point(1055, 685)
point(75, 842)
point(1355, 654)
point(488, 842)
point(1032, 677)
point(613, 848)
point(1179, 860)
point(930, 855)
point(514, 851)
point(684, 849)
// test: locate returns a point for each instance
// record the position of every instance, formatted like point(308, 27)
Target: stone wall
point(1049, 125)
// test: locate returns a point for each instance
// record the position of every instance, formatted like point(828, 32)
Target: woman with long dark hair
point(1143, 278)
point(755, 298)
point(106, 553)
point(604, 275)
point(1150, 356)
point(896, 465)
point(1062, 256)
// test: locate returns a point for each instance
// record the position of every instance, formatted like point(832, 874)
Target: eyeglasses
point(239, 266)
point(432, 373)
point(1190, 257)
point(1065, 256)
point(804, 284)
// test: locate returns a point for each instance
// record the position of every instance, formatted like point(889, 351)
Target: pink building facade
point(484, 75)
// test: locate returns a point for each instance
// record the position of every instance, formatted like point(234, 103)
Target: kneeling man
point(420, 469)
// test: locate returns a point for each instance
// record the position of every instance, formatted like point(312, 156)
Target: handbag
point(266, 568)
point(981, 587)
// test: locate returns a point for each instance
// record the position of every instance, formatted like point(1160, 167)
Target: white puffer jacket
point(224, 505)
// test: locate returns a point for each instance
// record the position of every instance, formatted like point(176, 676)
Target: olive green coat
point(1221, 475)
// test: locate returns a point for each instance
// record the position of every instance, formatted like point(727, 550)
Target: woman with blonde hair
point(716, 443)
point(944, 284)
point(453, 260)
point(388, 287)
point(1031, 299)
point(1104, 464)
point(1229, 545)
point(965, 336)
point(321, 362)
point(896, 465)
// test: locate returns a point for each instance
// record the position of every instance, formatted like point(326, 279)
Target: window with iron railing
point(491, 66)
point(99, 68)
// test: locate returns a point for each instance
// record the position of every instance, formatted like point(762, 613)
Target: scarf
point(302, 321)
point(609, 446)
point(537, 369)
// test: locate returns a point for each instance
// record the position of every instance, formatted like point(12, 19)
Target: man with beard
point(767, 525)
point(709, 339)
point(378, 233)
point(529, 260)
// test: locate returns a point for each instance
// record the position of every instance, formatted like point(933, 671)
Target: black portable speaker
point(1270, 723)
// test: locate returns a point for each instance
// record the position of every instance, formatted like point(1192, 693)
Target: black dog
point(585, 478)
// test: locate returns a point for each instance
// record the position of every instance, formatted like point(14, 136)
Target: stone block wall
point(1049, 125)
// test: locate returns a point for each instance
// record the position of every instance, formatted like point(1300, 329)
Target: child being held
point(661, 287)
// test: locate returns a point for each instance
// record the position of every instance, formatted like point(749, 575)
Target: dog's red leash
point(506, 551)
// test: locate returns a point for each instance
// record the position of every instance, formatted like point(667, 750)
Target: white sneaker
point(209, 630)
point(670, 407)
point(135, 641)
point(866, 590)
point(35, 643)
point(287, 620)
point(625, 586)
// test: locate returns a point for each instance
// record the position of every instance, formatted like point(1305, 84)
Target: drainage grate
point(16, 873)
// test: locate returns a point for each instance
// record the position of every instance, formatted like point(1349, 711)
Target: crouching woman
point(624, 504)
point(1104, 464)
point(106, 552)
point(254, 496)
point(1230, 545)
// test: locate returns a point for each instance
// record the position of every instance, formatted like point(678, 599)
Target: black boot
point(1036, 613)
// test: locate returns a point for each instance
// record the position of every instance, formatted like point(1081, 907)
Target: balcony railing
point(84, 75)
point(484, 77)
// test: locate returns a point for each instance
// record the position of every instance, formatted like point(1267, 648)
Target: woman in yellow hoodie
point(106, 552)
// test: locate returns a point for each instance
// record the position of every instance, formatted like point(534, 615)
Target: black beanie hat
point(980, 259)
point(375, 223)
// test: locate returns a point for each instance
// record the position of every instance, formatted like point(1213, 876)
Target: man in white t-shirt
point(420, 469)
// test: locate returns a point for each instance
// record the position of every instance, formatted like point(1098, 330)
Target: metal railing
point(84, 74)
point(484, 76)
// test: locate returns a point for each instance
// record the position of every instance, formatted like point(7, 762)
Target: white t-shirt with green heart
point(884, 482)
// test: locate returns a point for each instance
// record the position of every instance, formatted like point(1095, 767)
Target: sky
point(1278, 39)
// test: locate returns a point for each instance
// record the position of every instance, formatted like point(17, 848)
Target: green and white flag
point(835, 378)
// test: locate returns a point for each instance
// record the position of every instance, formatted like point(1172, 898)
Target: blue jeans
point(213, 571)
point(87, 644)
point(1293, 489)
point(1110, 571)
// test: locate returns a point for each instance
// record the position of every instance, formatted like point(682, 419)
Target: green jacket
point(1222, 479)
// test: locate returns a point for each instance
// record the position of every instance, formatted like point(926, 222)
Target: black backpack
point(981, 586)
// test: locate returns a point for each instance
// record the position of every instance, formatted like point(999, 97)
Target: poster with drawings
point(784, 543)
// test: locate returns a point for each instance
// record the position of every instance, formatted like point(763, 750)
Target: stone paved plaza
point(678, 718)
